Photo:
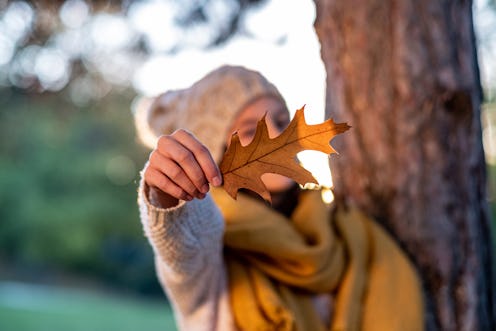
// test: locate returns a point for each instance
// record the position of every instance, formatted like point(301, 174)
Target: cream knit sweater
point(187, 242)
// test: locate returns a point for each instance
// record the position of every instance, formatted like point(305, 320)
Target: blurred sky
point(275, 38)
point(485, 26)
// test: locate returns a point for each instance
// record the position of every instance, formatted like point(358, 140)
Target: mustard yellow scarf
point(277, 265)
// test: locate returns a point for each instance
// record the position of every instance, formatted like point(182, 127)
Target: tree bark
point(404, 75)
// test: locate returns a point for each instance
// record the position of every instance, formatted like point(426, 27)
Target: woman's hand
point(180, 167)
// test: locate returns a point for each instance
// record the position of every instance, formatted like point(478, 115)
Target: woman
point(243, 265)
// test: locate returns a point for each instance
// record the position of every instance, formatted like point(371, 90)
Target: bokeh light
point(16, 20)
point(6, 48)
point(52, 68)
point(154, 19)
point(74, 13)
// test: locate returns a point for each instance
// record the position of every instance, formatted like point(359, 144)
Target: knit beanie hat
point(206, 109)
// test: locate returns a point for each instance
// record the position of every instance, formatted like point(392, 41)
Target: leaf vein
point(289, 142)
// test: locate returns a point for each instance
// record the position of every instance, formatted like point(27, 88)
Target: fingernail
point(216, 181)
point(204, 188)
point(201, 196)
point(188, 197)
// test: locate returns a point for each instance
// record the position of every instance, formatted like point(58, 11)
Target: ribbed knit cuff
point(184, 235)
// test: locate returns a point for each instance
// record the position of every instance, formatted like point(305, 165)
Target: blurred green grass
point(26, 307)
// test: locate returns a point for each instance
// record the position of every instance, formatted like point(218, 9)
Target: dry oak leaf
point(242, 166)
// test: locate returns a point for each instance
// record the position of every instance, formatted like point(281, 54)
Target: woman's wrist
point(160, 199)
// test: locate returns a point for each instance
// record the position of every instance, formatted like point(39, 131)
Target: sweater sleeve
point(187, 242)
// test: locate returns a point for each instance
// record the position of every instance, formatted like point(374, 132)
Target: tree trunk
point(404, 75)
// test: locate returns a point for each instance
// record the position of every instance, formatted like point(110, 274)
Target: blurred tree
point(68, 180)
point(404, 75)
point(49, 45)
point(187, 13)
